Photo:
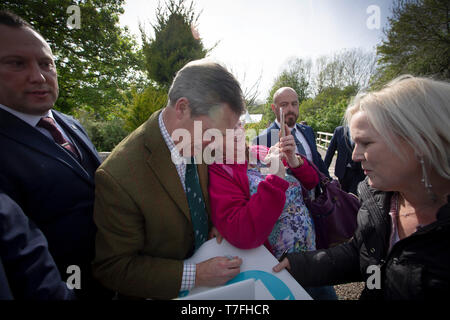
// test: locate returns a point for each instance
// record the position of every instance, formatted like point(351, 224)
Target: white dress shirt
point(33, 120)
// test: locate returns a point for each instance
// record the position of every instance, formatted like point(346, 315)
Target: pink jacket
point(243, 220)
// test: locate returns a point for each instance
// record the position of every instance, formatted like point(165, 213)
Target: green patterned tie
point(199, 216)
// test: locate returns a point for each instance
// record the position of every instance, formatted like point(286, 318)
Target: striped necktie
point(49, 124)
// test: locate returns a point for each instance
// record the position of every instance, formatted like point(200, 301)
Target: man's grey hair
point(206, 84)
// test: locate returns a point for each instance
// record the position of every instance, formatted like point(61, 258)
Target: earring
point(425, 180)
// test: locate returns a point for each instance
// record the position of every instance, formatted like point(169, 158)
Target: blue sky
point(258, 37)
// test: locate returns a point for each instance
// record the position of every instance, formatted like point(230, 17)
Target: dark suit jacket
point(28, 269)
point(53, 189)
point(341, 142)
point(270, 137)
point(143, 219)
point(5, 290)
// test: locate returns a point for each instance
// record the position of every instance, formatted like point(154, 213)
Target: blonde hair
point(412, 109)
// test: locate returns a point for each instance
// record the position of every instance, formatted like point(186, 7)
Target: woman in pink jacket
point(250, 208)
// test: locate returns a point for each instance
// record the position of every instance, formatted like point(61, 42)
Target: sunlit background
point(258, 37)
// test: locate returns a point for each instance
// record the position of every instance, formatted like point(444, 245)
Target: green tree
point(417, 40)
point(175, 42)
point(141, 106)
point(95, 62)
point(254, 109)
point(325, 112)
point(104, 134)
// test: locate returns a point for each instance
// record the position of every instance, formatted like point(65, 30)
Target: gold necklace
point(407, 214)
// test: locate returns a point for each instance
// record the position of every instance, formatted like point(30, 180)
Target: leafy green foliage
point(417, 40)
point(96, 62)
point(255, 109)
point(175, 42)
point(268, 115)
point(142, 105)
point(105, 134)
point(325, 112)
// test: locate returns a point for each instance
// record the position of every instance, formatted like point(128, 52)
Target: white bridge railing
point(323, 139)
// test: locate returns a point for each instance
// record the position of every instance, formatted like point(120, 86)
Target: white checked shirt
point(178, 160)
point(189, 270)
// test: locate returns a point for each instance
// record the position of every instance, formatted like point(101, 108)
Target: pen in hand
point(283, 255)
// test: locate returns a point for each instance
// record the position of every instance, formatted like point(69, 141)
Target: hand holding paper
point(254, 264)
point(217, 271)
point(214, 233)
point(284, 264)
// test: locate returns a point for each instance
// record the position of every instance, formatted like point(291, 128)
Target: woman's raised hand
point(288, 148)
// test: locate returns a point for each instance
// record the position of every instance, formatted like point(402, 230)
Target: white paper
point(242, 290)
point(257, 264)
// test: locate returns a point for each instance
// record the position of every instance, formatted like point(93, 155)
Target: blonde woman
point(402, 245)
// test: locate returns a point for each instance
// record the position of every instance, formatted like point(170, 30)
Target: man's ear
point(182, 109)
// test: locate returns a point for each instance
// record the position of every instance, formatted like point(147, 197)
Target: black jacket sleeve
point(336, 265)
point(30, 269)
point(5, 291)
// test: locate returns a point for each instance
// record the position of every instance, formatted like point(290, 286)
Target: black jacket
point(53, 189)
point(27, 270)
point(417, 267)
point(341, 142)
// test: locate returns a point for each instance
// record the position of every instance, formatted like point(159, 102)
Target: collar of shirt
point(31, 119)
point(178, 160)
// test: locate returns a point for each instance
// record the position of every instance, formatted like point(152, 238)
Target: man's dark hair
point(10, 19)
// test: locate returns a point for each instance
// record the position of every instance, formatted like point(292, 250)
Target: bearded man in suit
point(286, 100)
